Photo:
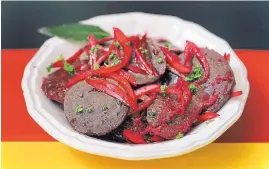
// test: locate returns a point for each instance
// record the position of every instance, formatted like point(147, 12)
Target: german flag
point(26, 146)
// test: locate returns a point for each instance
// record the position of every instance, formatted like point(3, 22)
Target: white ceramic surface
point(176, 30)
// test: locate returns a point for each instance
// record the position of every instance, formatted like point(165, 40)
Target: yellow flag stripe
point(55, 155)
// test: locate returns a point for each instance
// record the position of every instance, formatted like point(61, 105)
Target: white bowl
point(52, 119)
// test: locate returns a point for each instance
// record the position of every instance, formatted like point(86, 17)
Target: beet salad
point(139, 90)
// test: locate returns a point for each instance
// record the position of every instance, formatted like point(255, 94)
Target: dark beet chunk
point(92, 112)
point(156, 57)
point(158, 114)
point(221, 78)
point(54, 86)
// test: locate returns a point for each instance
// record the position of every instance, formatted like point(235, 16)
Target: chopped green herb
point(117, 44)
point(60, 58)
point(192, 87)
point(163, 87)
point(115, 61)
point(112, 55)
point(95, 48)
point(168, 45)
point(69, 68)
point(209, 121)
point(160, 60)
point(179, 135)
point(143, 50)
point(96, 66)
point(79, 109)
point(103, 107)
point(89, 109)
point(49, 67)
point(196, 74)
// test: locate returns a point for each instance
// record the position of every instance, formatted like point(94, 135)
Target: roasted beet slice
point(158, 114)
point(221, 78)
point(92, 112)
point(156, 57)
point(54, 85)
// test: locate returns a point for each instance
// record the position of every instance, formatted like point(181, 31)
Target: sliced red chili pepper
point(156, 138)
point(69, 60)
point(195, 50)
point(210, 101)
point(106, 54)
point(147, 89)
point(188, 53)
point(134, 137)
point(186, 91)
point(143, 39)
point(144, 104)
point(236, 93)
point(127, 76)
point(136, 69)
point(174, 62)
point(112, 90)
point(227, 56)
point(92, 40)
point(103, 40)
point(180, 97)
point(79, 77)
point(127, 50)
point(141, 59)
point(133, 38)
point(207, 116)
point(123, 82)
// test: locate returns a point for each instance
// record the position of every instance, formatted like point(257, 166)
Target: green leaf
point(192, 87)
point(179, 135)
point(74, 31)
point(69, 68)
point(79, 109)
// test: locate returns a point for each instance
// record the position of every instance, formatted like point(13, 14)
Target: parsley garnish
point(115, 60)
point(49, 67)
point(103, 107)
point(79, 109)
point(69, 68)
point(168, 45)
point(196, 74)
point(89, 109)
point(143, 50)
point(96, 66)
point(163, 87)
point(117, 44)
point(94, 49)
point(160, 60)
point(179, 135)
point(192, 87)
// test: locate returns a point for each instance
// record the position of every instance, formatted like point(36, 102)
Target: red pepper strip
point(188, 53)
point(147, 89)
point(143, 39)
point(136, 69)
point(127, 50)
point(118, 53)
point(156, 138)
point(79, 77)
point(134, 137)
point(112, 90)
point(141, 59)
point(92, 40)
point(210, 101)
point(236, 93)
point(123, 82)
point(227, 56)
point(69, 60)
point(131, 79)
point(106, 54)
point(186, 91)
point(144, 104)
point(103, 40)
point(179, 94)
point(174, 62)
point(202, 59)
point(133, 38)
point(207, 116)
